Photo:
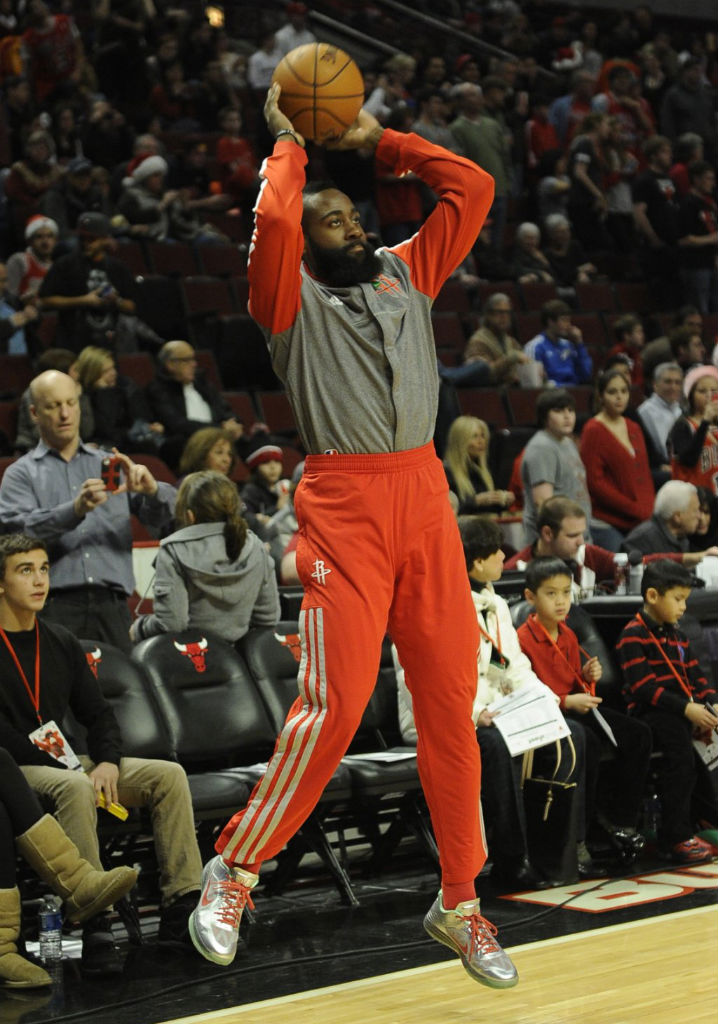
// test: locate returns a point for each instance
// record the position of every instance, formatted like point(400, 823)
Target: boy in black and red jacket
point(665, 686)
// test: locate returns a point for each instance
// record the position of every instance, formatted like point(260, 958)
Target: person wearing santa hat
point(266, 492)
point(26, 269)
point(157, 213)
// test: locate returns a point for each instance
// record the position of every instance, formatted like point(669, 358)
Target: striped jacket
point(648, 681)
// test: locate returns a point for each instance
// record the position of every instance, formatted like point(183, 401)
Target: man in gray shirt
point(349, 332)
point(551, 462)
point(659, 412)
point(56, 492)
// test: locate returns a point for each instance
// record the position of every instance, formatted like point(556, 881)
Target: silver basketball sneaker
point(214, 923)
point(471, 936)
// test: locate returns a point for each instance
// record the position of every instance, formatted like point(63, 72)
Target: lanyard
point(682, 682)
point(586, 687)
point(494, 643)
point(34, 697)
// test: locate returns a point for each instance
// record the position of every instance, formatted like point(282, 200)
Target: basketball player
point(349, 331)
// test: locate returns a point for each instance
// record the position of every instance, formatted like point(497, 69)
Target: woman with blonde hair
point(213, 572)
point(467, 469)
point(208, 448)
point(118, 406)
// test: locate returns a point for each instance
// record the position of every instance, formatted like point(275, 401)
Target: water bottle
point(635, 578)
point(49, 920)
point(620, 572)
point(651, 816)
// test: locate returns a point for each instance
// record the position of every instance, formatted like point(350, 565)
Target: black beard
point(339, 269)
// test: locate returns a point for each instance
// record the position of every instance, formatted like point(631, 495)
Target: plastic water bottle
point(651, 816)
point(620, 572)
point(635, 578)
point(49, 920)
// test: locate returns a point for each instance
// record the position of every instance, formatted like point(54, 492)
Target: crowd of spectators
point(151, 114)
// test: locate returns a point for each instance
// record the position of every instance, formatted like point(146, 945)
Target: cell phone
point(111, 469)
point(106, 291)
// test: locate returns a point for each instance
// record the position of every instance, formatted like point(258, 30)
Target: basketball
point(322, 90)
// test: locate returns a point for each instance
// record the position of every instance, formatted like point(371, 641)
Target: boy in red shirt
point(666, 689)
point(556, 656)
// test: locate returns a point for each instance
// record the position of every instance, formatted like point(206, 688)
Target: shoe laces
point(482, 933)
point(234, 898)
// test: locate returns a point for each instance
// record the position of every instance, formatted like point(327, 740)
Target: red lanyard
point(682, 682)
point(586, 687)
point(487, 636)
point(34, 697)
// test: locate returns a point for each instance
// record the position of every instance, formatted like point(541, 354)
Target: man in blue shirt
point(55, 492)
point(12, 321)
point(559, 347)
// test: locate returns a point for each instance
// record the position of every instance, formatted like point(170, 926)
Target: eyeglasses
point(183, 359)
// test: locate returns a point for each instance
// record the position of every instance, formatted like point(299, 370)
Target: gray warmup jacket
point(197, 586)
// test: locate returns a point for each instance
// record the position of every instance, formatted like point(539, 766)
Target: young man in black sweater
point(45, 673)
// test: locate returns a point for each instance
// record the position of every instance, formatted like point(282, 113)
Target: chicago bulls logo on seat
point(292, 641)
point(195, 652)
point(93, 659)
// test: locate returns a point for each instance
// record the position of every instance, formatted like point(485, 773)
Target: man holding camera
point(56, 492)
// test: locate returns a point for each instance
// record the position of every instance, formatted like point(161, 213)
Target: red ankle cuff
point(452, 895)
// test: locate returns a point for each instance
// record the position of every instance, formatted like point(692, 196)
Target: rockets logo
point(293, 642)
point(320, 572)
point(93, 660)
point(195, 652)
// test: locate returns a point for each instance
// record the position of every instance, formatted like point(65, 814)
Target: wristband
point(287, 131)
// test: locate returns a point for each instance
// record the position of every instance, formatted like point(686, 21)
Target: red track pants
point(379, 548)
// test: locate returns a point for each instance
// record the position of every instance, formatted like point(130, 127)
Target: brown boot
point(15, 970)
point(56, 859)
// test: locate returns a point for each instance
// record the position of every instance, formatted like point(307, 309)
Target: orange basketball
point(322, 90)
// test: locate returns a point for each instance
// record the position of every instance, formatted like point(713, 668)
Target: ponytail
point(235, 535)
point(212, 498)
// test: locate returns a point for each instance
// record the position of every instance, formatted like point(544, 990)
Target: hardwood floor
point(655, 970)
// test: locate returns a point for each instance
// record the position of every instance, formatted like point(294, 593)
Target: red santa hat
point(143, 165)
point(40, 223)
point(261, 451)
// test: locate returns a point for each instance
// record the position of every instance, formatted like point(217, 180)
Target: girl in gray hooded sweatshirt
point(213, 573)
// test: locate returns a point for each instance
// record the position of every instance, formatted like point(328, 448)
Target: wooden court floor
point(657, 970)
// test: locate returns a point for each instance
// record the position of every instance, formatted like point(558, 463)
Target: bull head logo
point(195, 652)
point(293, 642)
point(93, 660)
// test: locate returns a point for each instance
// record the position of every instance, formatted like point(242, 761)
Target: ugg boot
point(15, 970)
point(56, 859)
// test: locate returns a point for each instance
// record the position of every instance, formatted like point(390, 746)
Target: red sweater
point(556, 668)
point(620, 484)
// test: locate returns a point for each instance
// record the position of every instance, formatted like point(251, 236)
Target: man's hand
point(92, 493)
point(138, 479)
point(234, 427)
point(581, 702)
point(93, 298)
point(276, 120)
point(24, 316)
point(104, 778)
point(486, 718)
point(591, 670)
point(700, 716)
point(691, 558)
point(363, 134)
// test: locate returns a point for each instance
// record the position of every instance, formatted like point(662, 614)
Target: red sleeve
point(600, 561)
point(465, 195)
point(275, 254)
point(524, 555)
